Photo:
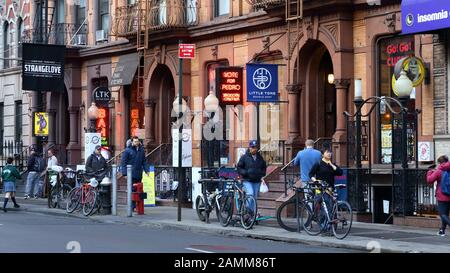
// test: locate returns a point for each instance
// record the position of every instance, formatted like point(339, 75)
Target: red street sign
point(186, 51)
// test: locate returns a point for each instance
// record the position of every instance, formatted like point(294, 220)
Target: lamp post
point(211, 106)
point(92, 113)
point(404, 86)
point(358, 101)
point(179, 105)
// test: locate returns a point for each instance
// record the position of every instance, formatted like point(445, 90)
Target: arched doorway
point(60, 134)
point(162, 91)
point(318, 96)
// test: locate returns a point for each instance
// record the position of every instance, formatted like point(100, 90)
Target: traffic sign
point(186, 51)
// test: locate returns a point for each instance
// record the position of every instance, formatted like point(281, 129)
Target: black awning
point(125, 70)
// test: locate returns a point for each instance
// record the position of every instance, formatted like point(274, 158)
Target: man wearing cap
point(252, 168)
point(32, 186)
point(96, 162)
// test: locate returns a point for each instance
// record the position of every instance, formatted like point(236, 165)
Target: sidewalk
point(363, 236)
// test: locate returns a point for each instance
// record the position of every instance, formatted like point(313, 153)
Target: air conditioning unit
point(80, 39)
point(101, 36)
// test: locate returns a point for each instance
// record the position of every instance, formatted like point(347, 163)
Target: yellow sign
point(148, 182)
point(40, 121)
point(414, 68)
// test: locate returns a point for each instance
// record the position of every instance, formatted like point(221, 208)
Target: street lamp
point(358, 101)
point(404, 87)
point(211, 106)
point(92, 113)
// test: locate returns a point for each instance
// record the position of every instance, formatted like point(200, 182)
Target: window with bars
point(18, 121)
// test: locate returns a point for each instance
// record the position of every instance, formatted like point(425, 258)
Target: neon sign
point(230, 85)
point(397, 50)
point(103, 124)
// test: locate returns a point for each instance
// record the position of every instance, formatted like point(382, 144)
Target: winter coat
point(252, 170)
point(31, 163)
point(94, 163)
point(10, 173)
point(436, 176)
point(136, 158)
point(323, 171)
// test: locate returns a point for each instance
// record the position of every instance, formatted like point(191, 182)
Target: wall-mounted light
point(331, 78)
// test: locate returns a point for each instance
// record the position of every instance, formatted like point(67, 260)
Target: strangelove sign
point(424, 15)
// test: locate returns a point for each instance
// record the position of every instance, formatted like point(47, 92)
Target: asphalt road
point(22, 231)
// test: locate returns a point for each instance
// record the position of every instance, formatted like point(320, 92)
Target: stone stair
point(267, 204)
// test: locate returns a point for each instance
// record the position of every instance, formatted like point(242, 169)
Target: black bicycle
point(328, 213)
point(61, 184)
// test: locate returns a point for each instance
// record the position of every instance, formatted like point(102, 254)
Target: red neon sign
point(230, 85)
point(103, 124)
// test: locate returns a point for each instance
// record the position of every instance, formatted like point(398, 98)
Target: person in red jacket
point(435, 175)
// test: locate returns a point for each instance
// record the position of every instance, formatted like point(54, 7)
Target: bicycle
point(208, 200)
point(245, 205)
point(321, 219)
point(86, 195)
point(60, 188)
point(295, 208)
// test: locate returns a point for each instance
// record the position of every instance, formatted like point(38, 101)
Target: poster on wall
point(43, 67)
point(40, 124)
point(186, 148)
point(91, 140)
point(148, 182)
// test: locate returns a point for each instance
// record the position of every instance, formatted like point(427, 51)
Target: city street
point(34, 232)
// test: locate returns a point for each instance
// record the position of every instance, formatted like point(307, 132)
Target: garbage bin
point(105, 195)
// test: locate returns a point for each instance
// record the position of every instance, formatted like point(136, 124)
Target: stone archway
point(159, 104)
point(59, 121)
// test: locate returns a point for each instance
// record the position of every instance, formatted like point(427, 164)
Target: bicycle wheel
point(89, 202)
point(288, 217)
point(53, 198)
point(73, 200)
point(342, 219)
point(226, 209)
point(217, 206)
point(200, 208)
point(249, 209)
point(314, 218)
point(63, 195)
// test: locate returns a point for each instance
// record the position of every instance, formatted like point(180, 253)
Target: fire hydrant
point(138, 196)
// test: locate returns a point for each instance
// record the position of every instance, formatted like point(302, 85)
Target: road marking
point(199, 250)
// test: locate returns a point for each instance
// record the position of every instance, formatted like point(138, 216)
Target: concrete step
point(266, 203)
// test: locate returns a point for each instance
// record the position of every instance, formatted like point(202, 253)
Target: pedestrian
point(252, 168)
point(306, 159)
point(435, 175)
point(35, 166)
point(52, 160)
point(9, 176)
point(96, 163)
point(134, 155)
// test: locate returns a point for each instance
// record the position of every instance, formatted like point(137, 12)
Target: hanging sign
point(229, 83)
point(186, 148)
point(262, 82)
point(40, 122)
point(186, 51)
point(102, 95)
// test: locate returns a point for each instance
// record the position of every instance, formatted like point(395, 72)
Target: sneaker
point(26, 196)
point(16, 206)
point(441, 233)
point(36, 197)
point(4, 210)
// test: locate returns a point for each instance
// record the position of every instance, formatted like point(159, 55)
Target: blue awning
point(425, 15)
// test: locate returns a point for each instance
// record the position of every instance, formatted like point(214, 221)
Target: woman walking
point(9, 175)
point(435, 175)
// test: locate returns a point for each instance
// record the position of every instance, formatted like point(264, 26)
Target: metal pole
point(114, 189)
point(404, 102)
point(129, 189)
point(180, 154)
point(358, 102)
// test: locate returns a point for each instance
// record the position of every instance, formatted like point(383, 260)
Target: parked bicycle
point(327, 212)
point(291, 212)
point(209, 200)
point(86, 196)
point(61, 184)
point(236, 199)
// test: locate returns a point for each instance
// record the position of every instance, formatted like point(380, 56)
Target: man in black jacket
point(96, 162)
point(252, 168)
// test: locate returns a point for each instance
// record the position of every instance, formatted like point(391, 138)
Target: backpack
point(39, 164)
point(445, 183)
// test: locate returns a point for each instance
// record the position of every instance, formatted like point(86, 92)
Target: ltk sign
point(424, 15)
point(262, 82)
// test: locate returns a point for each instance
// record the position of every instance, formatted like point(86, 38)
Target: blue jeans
point(444, 208)
point(252, 188)
point(32, 186)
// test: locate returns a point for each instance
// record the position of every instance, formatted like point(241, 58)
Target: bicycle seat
point(340, 186)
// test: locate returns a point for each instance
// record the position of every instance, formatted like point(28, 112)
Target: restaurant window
point(390, 50)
